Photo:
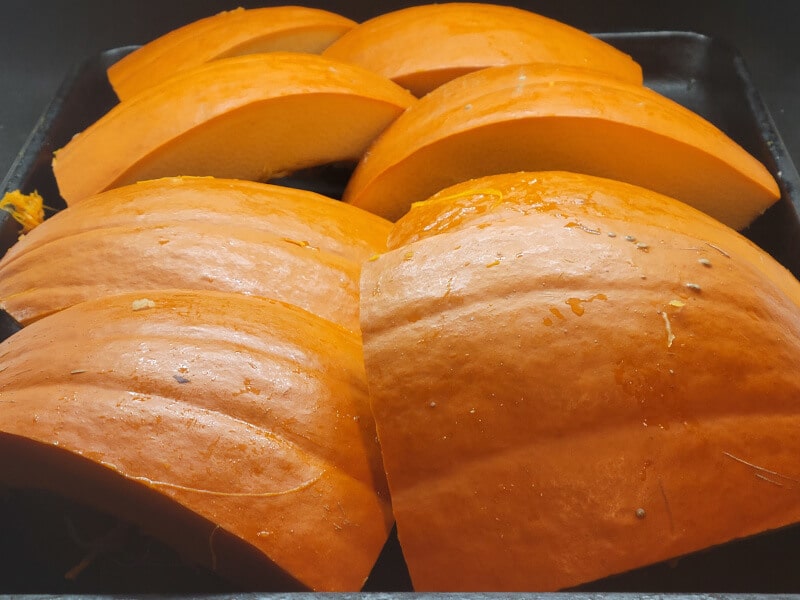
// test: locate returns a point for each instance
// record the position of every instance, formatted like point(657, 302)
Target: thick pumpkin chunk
point(235, 429)
point(196, 233)
point(572, 377)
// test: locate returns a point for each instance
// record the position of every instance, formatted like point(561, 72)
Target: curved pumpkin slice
point(527, 120)
point(422, 47)
point(583, 389)
point(229, 33)
point(235, 429)
point(196, 233)
point(249, 117)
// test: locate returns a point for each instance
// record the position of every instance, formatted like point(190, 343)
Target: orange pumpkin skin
point(565, 389)
point(534, 117)
point(236, 429)
point(248, 117)
point(423, 47)
point(229, 33)
point(196, 233)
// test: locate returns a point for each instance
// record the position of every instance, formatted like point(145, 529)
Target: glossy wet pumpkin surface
point(565, 389)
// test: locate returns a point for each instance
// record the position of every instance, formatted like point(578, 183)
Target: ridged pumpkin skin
point(565, 388)
point(196, 233)
point(229, 33)
point(422, 47)
point(248, 117)
point(533, 117)
point(236, 429)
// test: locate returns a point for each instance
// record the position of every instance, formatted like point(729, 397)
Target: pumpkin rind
point(196, 233)
point(246, 419)
point(251, 117)
point(564, 390)
point(229, 33)
point(526, 118)
point(423, 47)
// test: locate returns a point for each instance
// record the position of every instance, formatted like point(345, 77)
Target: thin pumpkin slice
point(196, 233)
point(573, 377)
point(251, 117)
point(534, 117)
point(235, 429)
point(423, 47)
point(229, 33)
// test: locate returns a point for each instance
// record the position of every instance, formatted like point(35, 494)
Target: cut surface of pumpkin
point(251, 117)
point(573, 377)
point(230, 33)
point(196, 233)
point(235, 429)
point(422, 47)
point(520, 118)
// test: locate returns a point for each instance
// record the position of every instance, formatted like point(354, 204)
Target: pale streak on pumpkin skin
point(760, 471)
point(184, 488)
point(668, 326)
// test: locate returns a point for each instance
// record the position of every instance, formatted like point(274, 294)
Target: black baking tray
point(40, 536)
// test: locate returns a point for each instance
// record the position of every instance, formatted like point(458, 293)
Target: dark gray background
point(42, 39)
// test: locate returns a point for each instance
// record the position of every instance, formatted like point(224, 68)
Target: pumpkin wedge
point(196, 233)
point(572, 377)
point(229, 33)
point(235, 429)
point(248, 117)
point(519, 118)
point(422, 47)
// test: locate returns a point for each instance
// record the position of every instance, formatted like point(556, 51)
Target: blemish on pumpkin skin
point(718, 249)
point(557, 313)
point(576, 304)
point(668, 325)
point(449, 289)
point(762, 472)
point(582, 227)
point(142, 304)
point(248, 388)
point(300, 243)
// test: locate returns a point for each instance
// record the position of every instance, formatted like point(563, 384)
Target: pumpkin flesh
point(249, 117)
point(229, 33)
point(579, 123)
point(423, 47)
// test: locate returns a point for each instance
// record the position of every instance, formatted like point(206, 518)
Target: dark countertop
point(43, 39)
